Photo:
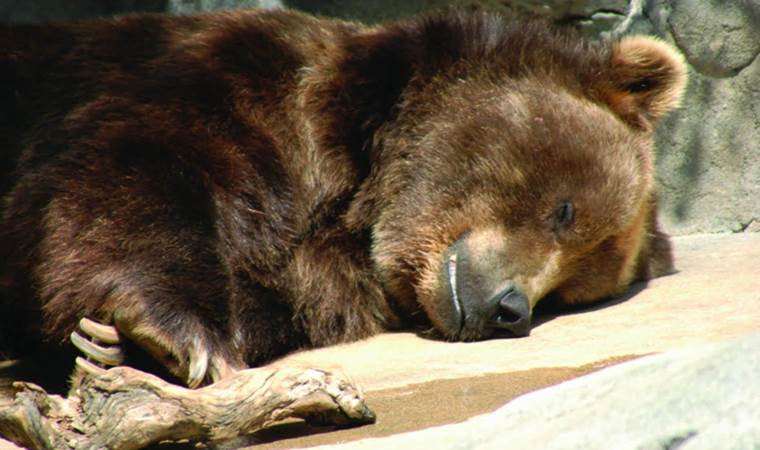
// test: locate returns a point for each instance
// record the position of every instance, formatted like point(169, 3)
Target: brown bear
point(226, 187)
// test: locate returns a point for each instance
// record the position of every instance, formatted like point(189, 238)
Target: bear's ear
point(648, 78)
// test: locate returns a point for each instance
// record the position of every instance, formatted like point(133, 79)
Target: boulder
point(701, 397)
point(191, 6)
point(708, 164)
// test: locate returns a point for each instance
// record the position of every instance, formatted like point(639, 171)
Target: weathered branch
point(125, 408)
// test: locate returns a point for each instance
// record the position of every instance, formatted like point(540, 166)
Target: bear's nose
point(513, 312)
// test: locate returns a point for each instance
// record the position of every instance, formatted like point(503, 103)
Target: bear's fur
point(227, 187)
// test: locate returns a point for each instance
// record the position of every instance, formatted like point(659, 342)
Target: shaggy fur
point(232, 186)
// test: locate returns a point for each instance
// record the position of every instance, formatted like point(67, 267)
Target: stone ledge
point(714, 296)
point(699, 398)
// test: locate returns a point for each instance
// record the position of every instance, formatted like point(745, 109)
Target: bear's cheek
point(403, 264)
point(608, 269)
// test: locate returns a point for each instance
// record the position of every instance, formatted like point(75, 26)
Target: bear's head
point(513, 162)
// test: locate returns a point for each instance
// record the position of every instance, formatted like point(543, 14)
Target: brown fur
point(232, 186)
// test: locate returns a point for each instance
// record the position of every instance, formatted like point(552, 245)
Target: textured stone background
point(709, 151)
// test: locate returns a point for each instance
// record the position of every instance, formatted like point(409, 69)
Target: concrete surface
point(702, 398)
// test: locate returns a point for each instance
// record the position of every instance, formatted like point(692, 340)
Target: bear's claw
point(90, 346)
point(198, 364)
point(103, 333)
point(203, 365)
point(85, 366)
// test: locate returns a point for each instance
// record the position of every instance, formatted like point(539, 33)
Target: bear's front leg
point(334, 290)
point(127, 248)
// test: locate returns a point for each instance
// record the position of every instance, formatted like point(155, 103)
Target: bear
point(223, 188)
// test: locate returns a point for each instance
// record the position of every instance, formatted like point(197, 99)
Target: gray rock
point(709, 155)
point(191, 6)
point(753, 227)
point(370, 11)
point(719, 40)
point(706, 397)
point(709, 151)
point(590, 16)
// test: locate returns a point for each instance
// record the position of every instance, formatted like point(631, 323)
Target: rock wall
point(709, 151)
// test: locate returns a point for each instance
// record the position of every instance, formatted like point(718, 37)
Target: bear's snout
point(513, 312)
point(481, 299)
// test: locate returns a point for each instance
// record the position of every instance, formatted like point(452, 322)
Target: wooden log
point(124, 408)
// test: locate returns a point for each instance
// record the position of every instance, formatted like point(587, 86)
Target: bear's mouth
point(452, 272)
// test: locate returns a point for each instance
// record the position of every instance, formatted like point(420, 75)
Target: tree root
point(124, 408)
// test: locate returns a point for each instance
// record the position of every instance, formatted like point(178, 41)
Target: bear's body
point(227, 187)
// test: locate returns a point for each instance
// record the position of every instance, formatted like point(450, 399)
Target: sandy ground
point(424, 405)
